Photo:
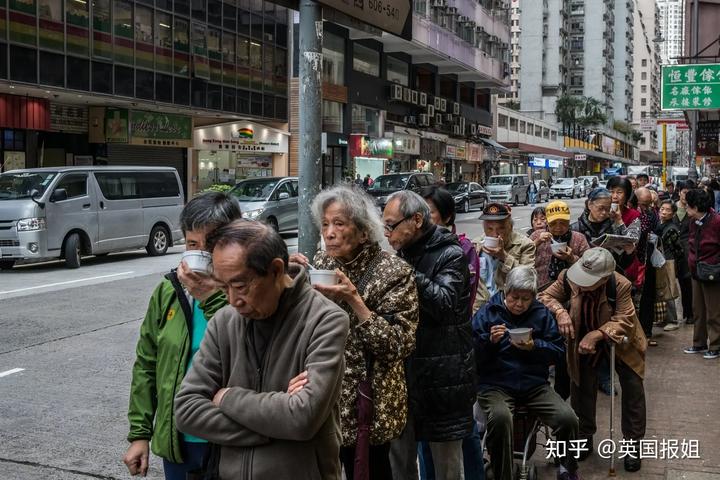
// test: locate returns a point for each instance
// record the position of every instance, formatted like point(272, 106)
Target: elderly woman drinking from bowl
point(378, 291)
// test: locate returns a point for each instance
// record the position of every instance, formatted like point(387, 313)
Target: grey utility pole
point(694, 116)
point(310, 59)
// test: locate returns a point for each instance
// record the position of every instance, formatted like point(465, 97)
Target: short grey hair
point(357, 205)
point(410, 204)
point(523, 278)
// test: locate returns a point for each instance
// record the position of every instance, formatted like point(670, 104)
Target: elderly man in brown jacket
point(265, 384)
point(501, 249)
point(601, 311)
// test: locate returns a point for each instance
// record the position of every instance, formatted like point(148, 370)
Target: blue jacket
point(502, 364)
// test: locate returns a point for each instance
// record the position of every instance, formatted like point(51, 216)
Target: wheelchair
point(526, 427)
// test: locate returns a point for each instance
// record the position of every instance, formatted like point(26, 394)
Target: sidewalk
point(683, 403)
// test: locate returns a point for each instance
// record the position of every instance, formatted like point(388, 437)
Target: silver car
point(273, 200)
point(567, 187)
point(68, 212)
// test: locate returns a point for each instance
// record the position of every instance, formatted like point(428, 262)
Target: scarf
point(557, 265)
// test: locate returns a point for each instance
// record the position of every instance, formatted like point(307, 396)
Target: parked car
point(567, 187)
point(273, 200)
point(467, 195)
point(68, 212)
point(511, 188)
point(590, 180)
point(386, 185)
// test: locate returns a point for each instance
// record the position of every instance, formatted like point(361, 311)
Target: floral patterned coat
point(389, 336)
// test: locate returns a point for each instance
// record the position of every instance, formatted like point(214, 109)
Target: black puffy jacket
point(441, 377)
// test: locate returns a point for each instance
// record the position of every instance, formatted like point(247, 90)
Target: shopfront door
point(333, 166)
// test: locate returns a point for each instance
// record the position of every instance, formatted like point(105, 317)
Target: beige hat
point(595, 264)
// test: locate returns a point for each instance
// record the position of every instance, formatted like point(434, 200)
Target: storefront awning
point(492, 143)
point(612, 172)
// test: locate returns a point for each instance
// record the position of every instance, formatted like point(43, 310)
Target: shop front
point(406, 151)
point(543, 167)
point(370, 156)
point(471, 168)
point(455, 156)
point(335, 168)
point(21, 120)
point(227, 153)
point(432, 154)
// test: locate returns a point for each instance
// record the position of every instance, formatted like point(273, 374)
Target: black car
point(467, 195)
point(386, 185)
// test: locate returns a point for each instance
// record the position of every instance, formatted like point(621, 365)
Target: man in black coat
point(441, 381)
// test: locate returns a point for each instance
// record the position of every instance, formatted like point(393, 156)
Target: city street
point(68, 345)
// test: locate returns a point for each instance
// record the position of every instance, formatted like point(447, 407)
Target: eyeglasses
point(391, 228)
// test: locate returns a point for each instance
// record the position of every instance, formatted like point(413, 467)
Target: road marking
point(10, 372)
point(47, 285)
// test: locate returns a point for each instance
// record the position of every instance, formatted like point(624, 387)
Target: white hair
point(523, 278)
point(411, 203)
point(356, 204)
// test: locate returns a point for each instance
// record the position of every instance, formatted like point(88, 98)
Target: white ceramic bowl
point(558, 246)
point(520, 334)
point(491, 242)
point(199, 261)
point(323, 277)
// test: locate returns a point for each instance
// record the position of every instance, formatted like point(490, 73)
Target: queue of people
point(402, 364)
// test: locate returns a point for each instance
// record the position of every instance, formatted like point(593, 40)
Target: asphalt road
point(67, 342)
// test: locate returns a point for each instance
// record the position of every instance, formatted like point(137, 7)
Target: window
point(163, 42)
point(78, 73)
point(144, 84)
point(513, 124)
point(123, 28)
point(553, 135)
point(546, 133)
point(52, 69)
point(163, 88)
point(502, 121)
point(643, 102)
point(332, 117)
point(125, 185)
point(124, 81)
point(101, 77)
point(644, 62)
point(643, 88)
point(228, 55)
point(366, 60)
point(284, 188)
point(521, 126)
point(198, 9)
point(333, 61)
point(256, 66)
point(229, 15)
point(643, 76)
point(51, 24)
point(214, 8)
point(74, 184)
point(538, 131)
point(77, 17)
point(365, 120)
point(101, 24)
point(144, 56)
point(214, 54)
point(181, 41)
point(397, 71)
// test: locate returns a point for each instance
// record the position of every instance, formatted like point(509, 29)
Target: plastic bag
point(657, 258)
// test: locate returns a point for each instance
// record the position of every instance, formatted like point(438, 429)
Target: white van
point(67, 212)
point(510, 188)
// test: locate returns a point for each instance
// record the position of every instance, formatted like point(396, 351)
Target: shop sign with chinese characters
point(691, 87)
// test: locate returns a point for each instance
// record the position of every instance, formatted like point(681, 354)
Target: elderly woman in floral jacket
point(378, 291)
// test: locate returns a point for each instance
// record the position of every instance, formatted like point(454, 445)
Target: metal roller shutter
point(137, 155)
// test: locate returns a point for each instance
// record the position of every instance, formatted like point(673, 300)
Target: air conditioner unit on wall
point(424, 120)
point(423, 99)
point(415, 96)
point(396, 92)
point(431, 110)
point(407, 95)
point(456, 108)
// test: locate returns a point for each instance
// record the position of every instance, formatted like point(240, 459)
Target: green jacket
point(160, 364)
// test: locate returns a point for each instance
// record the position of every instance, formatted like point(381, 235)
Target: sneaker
point(670, 327)
point(695, 350)
point(710, 354)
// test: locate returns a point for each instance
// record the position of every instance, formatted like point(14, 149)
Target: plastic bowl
point(491, 242)
point(323, 277)
point(518, 335)
point(558, 246)
point(198, 261)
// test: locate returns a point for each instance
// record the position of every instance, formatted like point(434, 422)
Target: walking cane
point(624, 340)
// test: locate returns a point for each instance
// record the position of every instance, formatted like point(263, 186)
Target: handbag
point(705, 272)
point(210, 469)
